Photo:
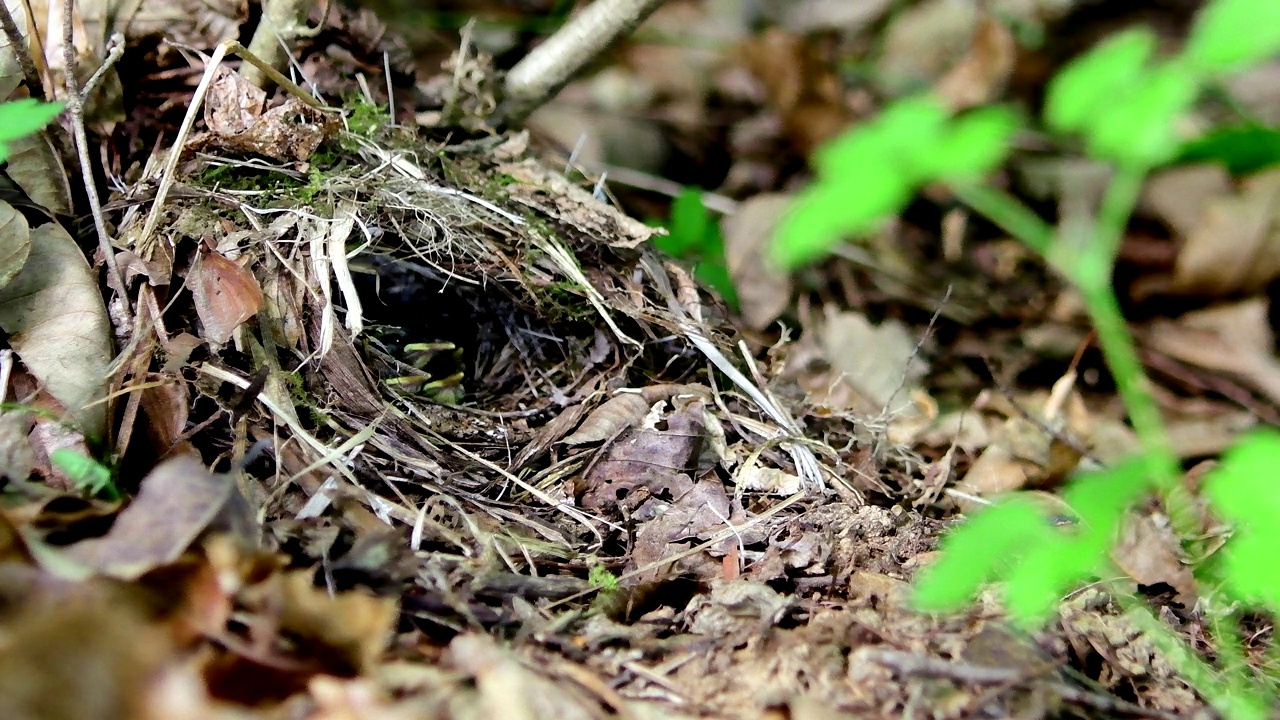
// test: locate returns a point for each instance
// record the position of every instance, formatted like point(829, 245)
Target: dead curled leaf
point(612, 417)
point(982, 73)
point(801, 86)
point(1150, 553)
point(58, 325)
point(350, 630)
point(845, 362)
point(225, 294)
point(238, 121)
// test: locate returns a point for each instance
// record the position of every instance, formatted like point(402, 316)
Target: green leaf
point(1073, 554)
point(1243, 150)
point(905, 129)
point(85, 473)
point(973, 146)
point(910, 129)
point(1230, 35)
point(1139, 129)
point(1049, 570)
point(1101, 498)
point(1014, 542)
point(977, 552)
point(1245, 491)
point(868, 175)
point(827, 212)
point(19, 118)
point(1098, 79)
point(691, 228)
point(715, 274)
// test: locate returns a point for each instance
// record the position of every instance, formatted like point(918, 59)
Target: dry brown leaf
point(1180, 196)
point(1257, 89)
point(36, 168)
point(1149, 553)
point(1207, 434)
point(49, 17)
point(996, 471)
point(926, 39)
point(165, 407)
point(612, 417)
point(10, 70)
point(58, 325)
point(507, 689)
point(225, 294)
point(346, 632)
point(981, 75)
point(79, 653)
point(1024, 454)
point(1229, 238)
point(646, 460)
point(801, 86)
point(763, 290)
point(233, 104)
point(17, 458)
point(1234, 339)
point(878, 363)
point(177, 502)
point(698, 510)
point(549, 434)
point(737, 609)
point(768, 480)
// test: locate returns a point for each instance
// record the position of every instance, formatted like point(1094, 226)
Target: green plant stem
point(1117, 207)
point(1088, 263)
point(1091, 270)
point(1131, 381)
point(1009, 214)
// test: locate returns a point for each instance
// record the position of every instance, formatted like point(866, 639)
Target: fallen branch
point(560, 58)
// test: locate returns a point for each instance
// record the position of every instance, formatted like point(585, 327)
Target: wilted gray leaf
point(15, 242)
point(38, 171)
point(58, 325)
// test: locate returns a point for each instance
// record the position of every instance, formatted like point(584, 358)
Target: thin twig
point(115, 51)
point(19, 46)
point(75, 108)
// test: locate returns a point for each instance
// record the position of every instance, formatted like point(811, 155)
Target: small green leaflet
point(1015, 542)
point(1124, 104)
point(1245, 491)
point(693, 235)
point(19, 118)
point(979, 552)
point(86, 473)
point(1096, 79)
point(869, 174)
point(1243, 150)
point(1230, 35)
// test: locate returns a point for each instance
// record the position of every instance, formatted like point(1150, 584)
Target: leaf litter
point(418, 426)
